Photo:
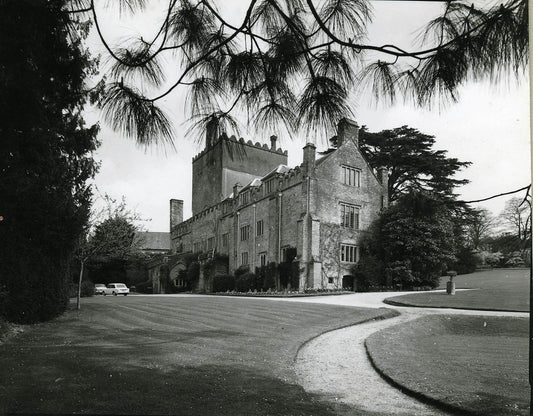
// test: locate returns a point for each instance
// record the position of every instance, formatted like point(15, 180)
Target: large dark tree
point(412, 162)
point(45, 155)
point(295, 63)
point(410, 245)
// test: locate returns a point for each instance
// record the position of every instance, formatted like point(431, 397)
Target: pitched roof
point(152, 240)
point(321, 159)
point(278, 169)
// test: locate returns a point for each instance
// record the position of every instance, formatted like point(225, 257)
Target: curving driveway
point(324, 367)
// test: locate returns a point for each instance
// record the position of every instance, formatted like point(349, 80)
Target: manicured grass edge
point(389, 301)
point(386, 314)
point(9, 330)
point(416, 394)
point(278, 295)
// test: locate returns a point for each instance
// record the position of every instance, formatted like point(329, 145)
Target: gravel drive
point(336, 365)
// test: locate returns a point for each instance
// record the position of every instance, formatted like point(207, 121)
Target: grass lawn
point(475, 363)
point(498, 289)
point(169, 355)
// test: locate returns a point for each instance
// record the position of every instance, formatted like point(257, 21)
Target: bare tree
point(517, 214)
point(294, 63)
point(479, 225)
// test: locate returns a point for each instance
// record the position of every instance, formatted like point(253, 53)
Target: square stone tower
point(226, 161)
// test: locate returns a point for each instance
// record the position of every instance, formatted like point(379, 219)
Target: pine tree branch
point(387, 49)
point(209, 52)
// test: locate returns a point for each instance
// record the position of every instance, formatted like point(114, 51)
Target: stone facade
point(317, 209)
point(227, 161)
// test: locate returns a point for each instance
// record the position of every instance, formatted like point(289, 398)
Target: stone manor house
point(250, 209)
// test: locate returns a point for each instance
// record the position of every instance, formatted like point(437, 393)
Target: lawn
point(498, 289)
point(478, 364)
point(169, 355)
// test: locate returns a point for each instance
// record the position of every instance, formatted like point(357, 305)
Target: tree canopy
point(295, 63)
point(109, 236)
point(479, 225)
point(410, 244)
point(45, 157)
point(411, 161)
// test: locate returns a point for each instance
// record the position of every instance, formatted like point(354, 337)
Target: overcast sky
point(489, 127)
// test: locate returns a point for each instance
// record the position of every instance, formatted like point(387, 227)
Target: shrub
point(494, 259)
point(40, 295)
point(245, 281)
point(223, 283)
point(369, 273)
point(466, 261)
point(144, 287)
point(515, 261)
point(400, 274)
point(267, 276)
point(87, 289)
point(193, 273)
point(289, 274)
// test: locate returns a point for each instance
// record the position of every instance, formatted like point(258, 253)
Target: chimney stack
point(236, 188)
point(309, 159)
point(176, 212)
point(273, 140)
point(347, 130)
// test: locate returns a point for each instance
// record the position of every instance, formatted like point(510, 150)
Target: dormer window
point(245, 197)
point(268, 186)
point(351, 176)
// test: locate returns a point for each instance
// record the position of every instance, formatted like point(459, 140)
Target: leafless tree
point(479, 225)
point(517, 214)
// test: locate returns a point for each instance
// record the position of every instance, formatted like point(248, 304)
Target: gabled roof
point(332, 151)
point(152, 240)
point(256, 182)
point(279, 169)
point(320, 160)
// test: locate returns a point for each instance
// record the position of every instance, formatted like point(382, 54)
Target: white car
point(99, 289)
point(116, 289)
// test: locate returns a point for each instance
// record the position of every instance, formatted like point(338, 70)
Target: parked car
point(116, 289)
point(99, 289)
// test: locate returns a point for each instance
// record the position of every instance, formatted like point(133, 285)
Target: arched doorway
point(177, 280)
point(349, 283)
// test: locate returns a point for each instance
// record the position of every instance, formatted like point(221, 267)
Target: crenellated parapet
point(233, 139)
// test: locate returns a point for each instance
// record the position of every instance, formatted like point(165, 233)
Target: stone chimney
point(176, 212)
point(236, 188)
point(308, 165)
point(347, 130)
point(211, 132)
point(273, 140)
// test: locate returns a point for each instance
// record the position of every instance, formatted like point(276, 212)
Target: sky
point(489, 125)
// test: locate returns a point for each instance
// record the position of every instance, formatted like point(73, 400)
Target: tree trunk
point(79, 285)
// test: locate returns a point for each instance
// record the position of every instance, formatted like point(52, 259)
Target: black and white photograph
point(265, 207)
